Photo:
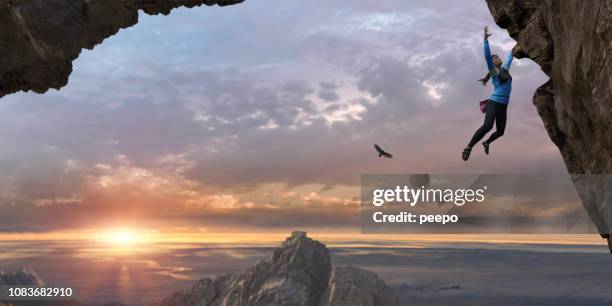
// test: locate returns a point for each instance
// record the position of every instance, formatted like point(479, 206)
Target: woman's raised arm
point(509, 61)
point(487, 49)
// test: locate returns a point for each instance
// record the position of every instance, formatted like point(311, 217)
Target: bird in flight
point(381, 152)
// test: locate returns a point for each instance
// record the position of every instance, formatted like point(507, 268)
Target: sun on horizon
point(122, 236)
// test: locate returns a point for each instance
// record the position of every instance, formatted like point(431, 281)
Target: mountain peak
point(299, 273)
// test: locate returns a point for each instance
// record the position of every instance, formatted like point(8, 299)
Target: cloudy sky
point(259, 118)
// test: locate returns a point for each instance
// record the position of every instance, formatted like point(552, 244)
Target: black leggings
point(496, 112)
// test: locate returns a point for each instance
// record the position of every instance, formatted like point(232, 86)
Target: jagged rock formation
point(29, 277)
point(23, 277)
point(298, 274)
point(570, 40)
point(40, 39)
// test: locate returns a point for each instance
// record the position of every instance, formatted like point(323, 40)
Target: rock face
point(350, 286)
point(298, 274)
point(40, 39)
point(571, 41)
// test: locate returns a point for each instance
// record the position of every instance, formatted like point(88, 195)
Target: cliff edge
point(570, 40)
point(40, 39)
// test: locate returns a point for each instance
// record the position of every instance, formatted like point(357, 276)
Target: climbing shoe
point(466, 153)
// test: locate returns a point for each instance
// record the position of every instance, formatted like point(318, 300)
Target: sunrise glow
point(123, 237)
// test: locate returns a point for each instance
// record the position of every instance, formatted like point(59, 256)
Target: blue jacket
point(501, 92)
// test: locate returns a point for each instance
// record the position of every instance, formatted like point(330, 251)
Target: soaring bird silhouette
point(381, 152)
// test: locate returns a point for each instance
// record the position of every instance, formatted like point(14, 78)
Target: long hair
point(487, 77)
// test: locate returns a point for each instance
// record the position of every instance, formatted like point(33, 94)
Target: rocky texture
point(349, 286)
point(298, 274)
point(23, 277)
point(29, 277)
point(571, 41)
point(40, 39)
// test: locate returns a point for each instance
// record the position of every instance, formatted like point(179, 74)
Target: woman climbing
point(497, 105)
